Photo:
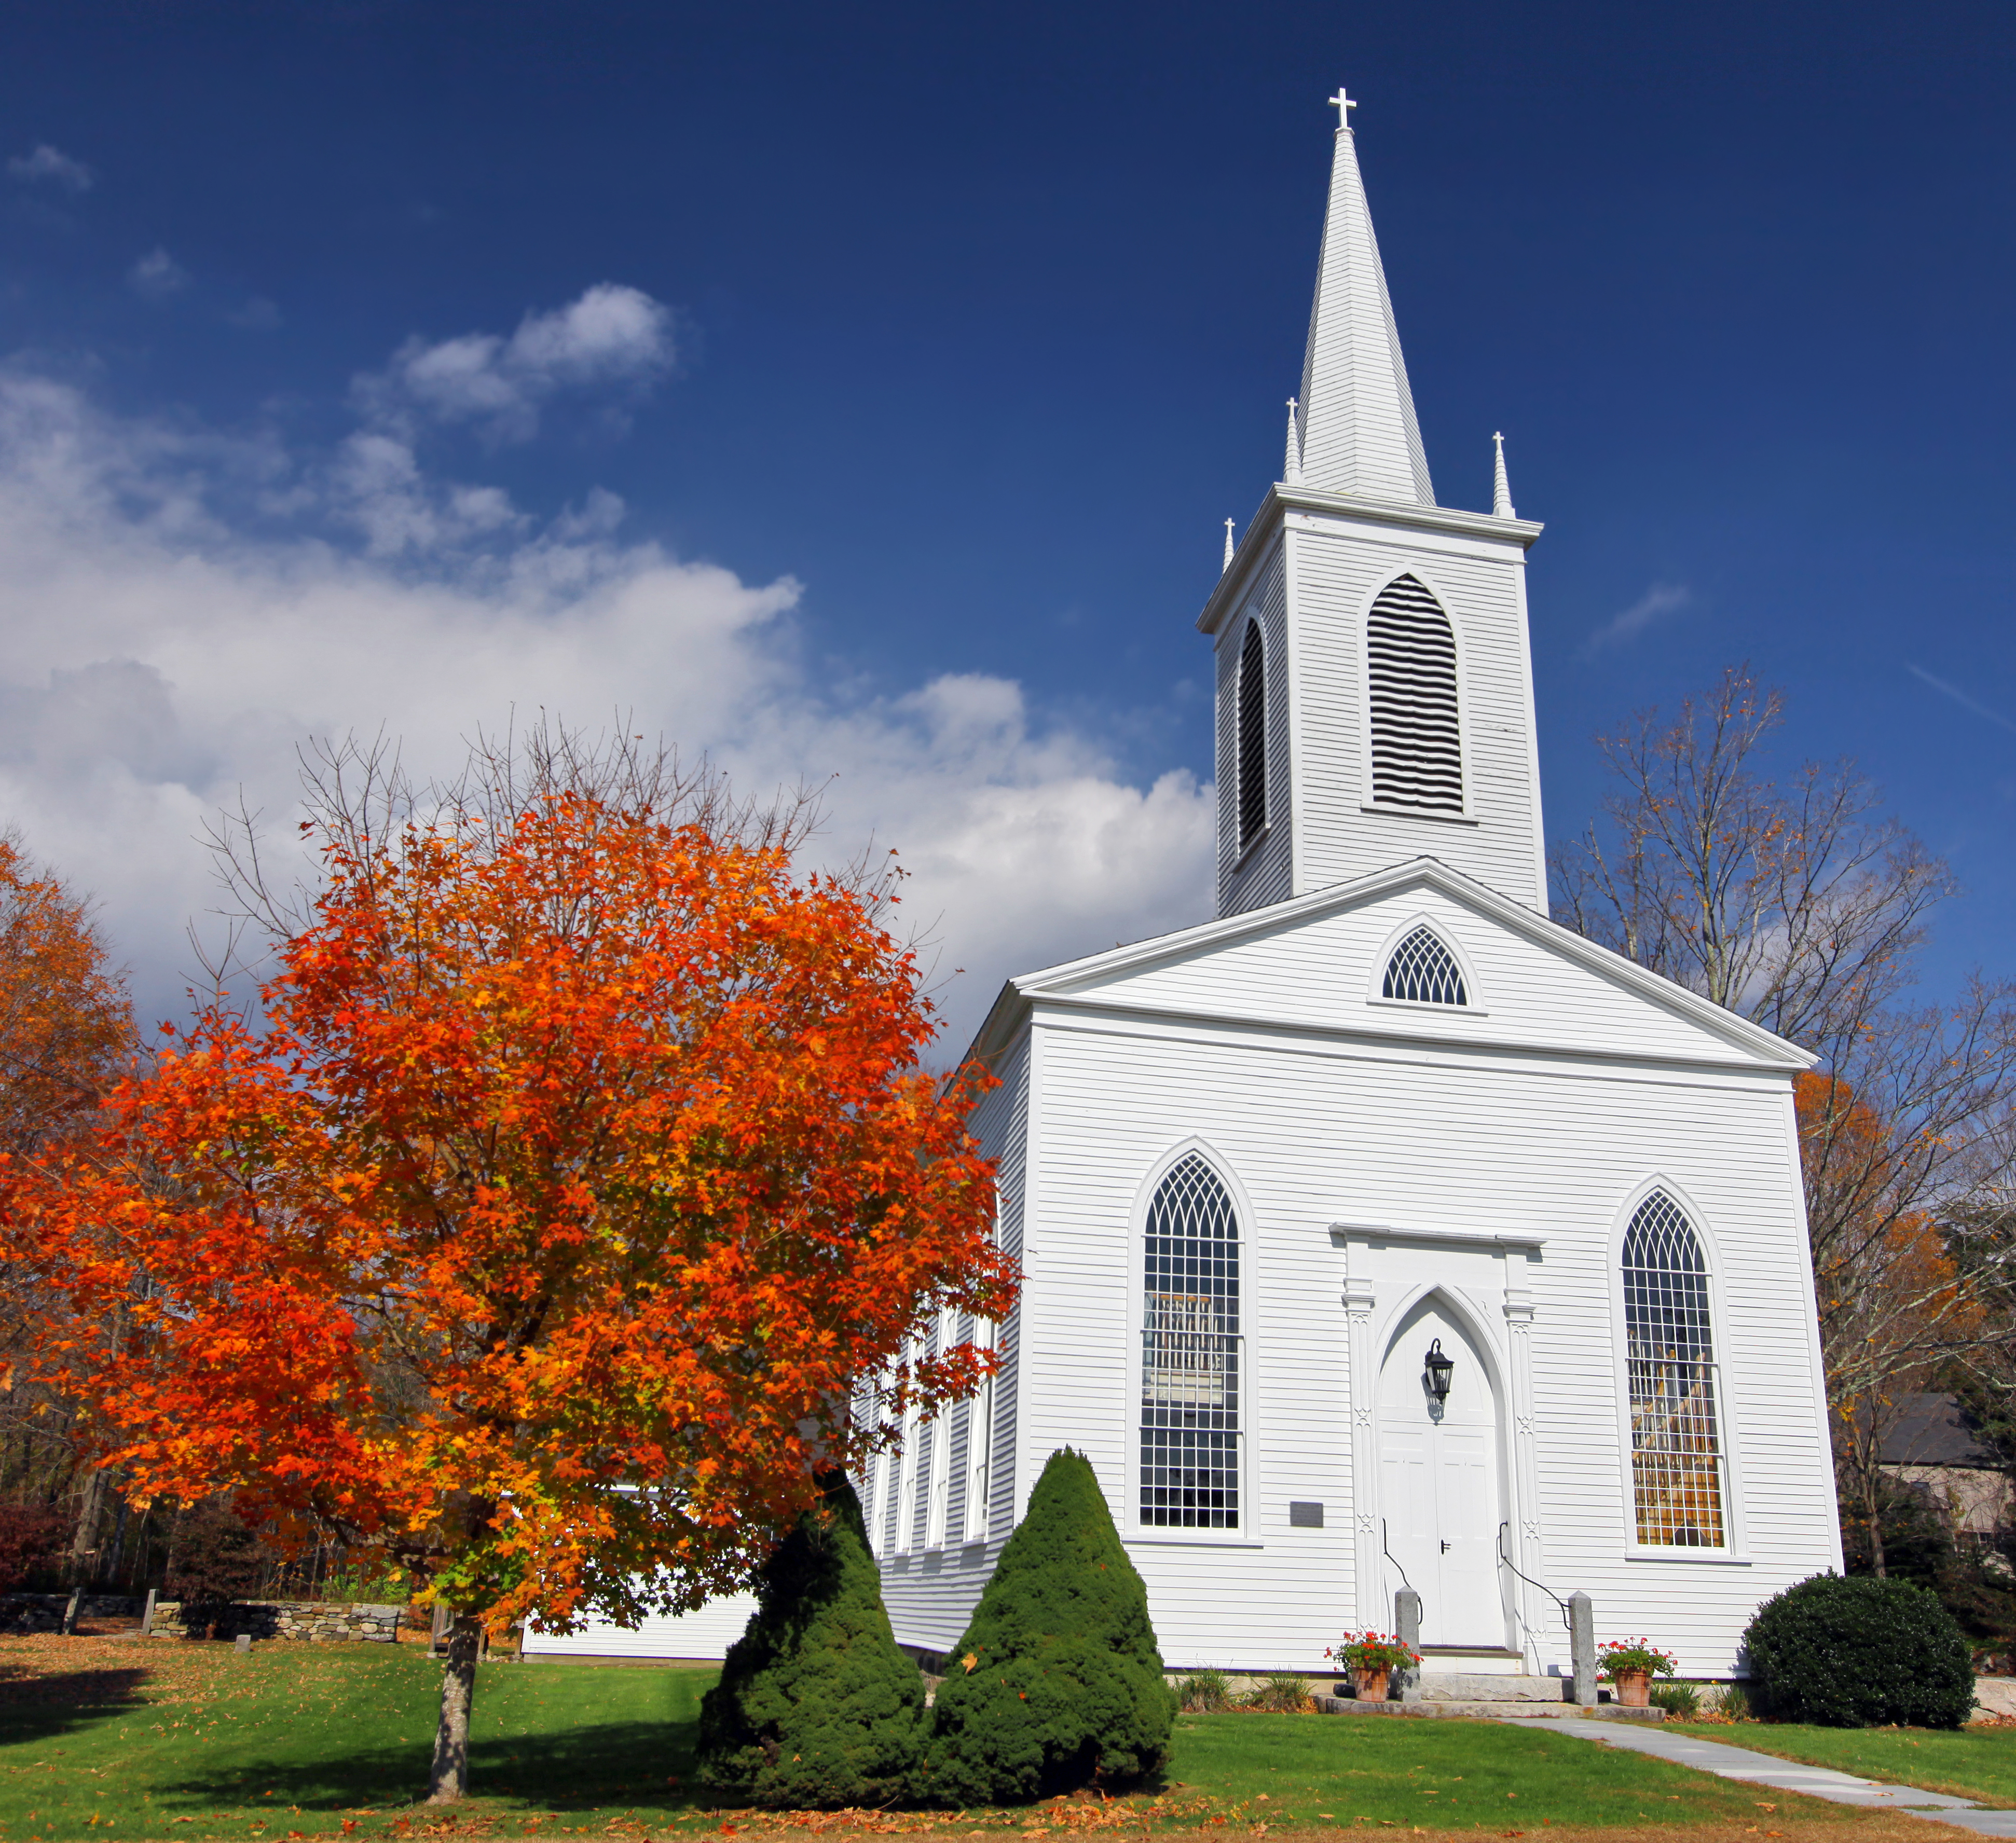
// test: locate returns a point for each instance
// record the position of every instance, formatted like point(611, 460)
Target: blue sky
point(925, 349)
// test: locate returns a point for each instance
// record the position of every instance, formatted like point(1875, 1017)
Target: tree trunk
point(451, 1772)
point(1872, 1508)
point(91, 1513)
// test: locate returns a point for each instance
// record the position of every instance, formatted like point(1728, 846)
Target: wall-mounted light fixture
point(1440, 1369)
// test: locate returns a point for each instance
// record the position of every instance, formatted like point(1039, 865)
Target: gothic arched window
point(1189, 1353)
point(1424, 972)
point(1411, 684)
point(1676, 1459)
point(1252, 735)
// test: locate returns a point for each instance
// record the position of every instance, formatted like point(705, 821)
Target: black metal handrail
point(1393, 1558)
point(1566, 1620)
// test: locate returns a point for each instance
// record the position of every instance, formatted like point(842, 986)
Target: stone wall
point(21, 1614)
point(314, 1621)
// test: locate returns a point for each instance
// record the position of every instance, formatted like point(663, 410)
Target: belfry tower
point(1374, 681)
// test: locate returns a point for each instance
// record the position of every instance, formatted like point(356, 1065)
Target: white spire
point(1228, 546)
point(1357, 430)
point(1291, 467)
point(1501, 493)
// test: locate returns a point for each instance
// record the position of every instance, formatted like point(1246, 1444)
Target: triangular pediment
point(1317, 963)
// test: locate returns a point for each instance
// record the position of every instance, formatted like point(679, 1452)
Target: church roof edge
point(1018, 994)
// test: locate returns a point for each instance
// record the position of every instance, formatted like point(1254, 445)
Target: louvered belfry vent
point(1424, 972)
point(1252, 735)
point(1410, 662)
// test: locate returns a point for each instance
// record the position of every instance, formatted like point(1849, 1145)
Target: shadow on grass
point(38, 1705)
point(630, 1762)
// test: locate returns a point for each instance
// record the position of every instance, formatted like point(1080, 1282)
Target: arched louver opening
point(1189, 1353)
point(1252, 735)
point(1410, 660)
point(1676, 1461)
point(1425, 972)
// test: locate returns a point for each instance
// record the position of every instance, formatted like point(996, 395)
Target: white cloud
point(613, 336)
point(1655, 605)
point(50, 165)
point(158, 653)
point(157, 274)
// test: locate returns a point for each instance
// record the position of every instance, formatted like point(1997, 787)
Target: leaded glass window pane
point(1676, 1459)
point(1425, 972)
point(1190, 1364)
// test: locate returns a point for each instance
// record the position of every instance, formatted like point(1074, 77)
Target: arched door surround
point(1403, 1288)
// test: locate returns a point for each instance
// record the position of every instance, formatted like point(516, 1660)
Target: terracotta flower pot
point(1633, 1687)
point(1369, 1685)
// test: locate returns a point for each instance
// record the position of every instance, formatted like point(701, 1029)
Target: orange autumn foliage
point(65, 1026)
point(540, 1225)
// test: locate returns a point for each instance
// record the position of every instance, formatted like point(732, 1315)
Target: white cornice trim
point(1283, 498)
point(1757, 1045)
point(1436, 1237)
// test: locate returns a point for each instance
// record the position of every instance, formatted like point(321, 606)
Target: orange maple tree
point(65, 1024)
point(66, 1037)
point(541, 1224)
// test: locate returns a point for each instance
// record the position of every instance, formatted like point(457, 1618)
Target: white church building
point(1380, 1232)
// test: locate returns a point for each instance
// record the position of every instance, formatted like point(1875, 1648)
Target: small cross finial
point(1229, 546)
point(1344, 106)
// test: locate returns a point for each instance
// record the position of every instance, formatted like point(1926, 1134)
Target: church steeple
point(1358, 434)
point(1374, 681)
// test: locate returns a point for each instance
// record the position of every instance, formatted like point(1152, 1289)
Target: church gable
point(1418, 951)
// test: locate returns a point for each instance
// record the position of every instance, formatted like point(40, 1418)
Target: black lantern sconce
point(1440, 1369)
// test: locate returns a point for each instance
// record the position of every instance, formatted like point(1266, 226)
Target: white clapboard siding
point(931, 1592)
point(1337, 565)
point(704, 1634)
point(1265, 872)
point(1381, 1135)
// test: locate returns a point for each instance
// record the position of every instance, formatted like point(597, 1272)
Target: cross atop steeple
point(1357, 432)
point(1344, 106)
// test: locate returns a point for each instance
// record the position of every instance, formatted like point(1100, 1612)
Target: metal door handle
point(1444, 1548)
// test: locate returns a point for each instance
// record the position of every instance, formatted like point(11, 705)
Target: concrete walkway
point(1784, 1776)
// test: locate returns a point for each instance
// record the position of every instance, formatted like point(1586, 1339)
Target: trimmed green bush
point(815, 1706)
point(1057, 1681)
point(1854, 1651)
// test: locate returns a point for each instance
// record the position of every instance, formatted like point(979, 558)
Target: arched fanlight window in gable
point(1423, 971)
point(1678, 1487)
point(1189, 1353)
point(1411, 682)
point(1252, 735)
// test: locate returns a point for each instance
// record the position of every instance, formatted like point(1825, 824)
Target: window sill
point(1689, 1557)
point(1420, 1005)
point(1204, 1539)
point(1252, 845)
point(1415, 812)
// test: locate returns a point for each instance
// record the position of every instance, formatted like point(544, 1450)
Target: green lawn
point(1970, 1762)
point(1344, 1769)
point(158, 1738)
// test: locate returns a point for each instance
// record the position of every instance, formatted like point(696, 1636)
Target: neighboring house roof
point(1929, 1430)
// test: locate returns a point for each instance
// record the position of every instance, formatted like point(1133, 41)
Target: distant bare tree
point(1801, 907)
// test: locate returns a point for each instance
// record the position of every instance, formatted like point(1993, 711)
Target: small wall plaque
point(1305, 1517)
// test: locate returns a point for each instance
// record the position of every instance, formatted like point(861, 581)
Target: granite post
point(1582, 1648)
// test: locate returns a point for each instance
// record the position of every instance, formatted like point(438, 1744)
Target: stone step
point(1463, 1685)
point(1480, 1711)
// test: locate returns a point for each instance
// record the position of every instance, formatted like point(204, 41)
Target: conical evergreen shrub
point(815, 1706)
point(1057, 1681)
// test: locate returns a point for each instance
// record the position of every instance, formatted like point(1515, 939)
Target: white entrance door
point(1438, 1483)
